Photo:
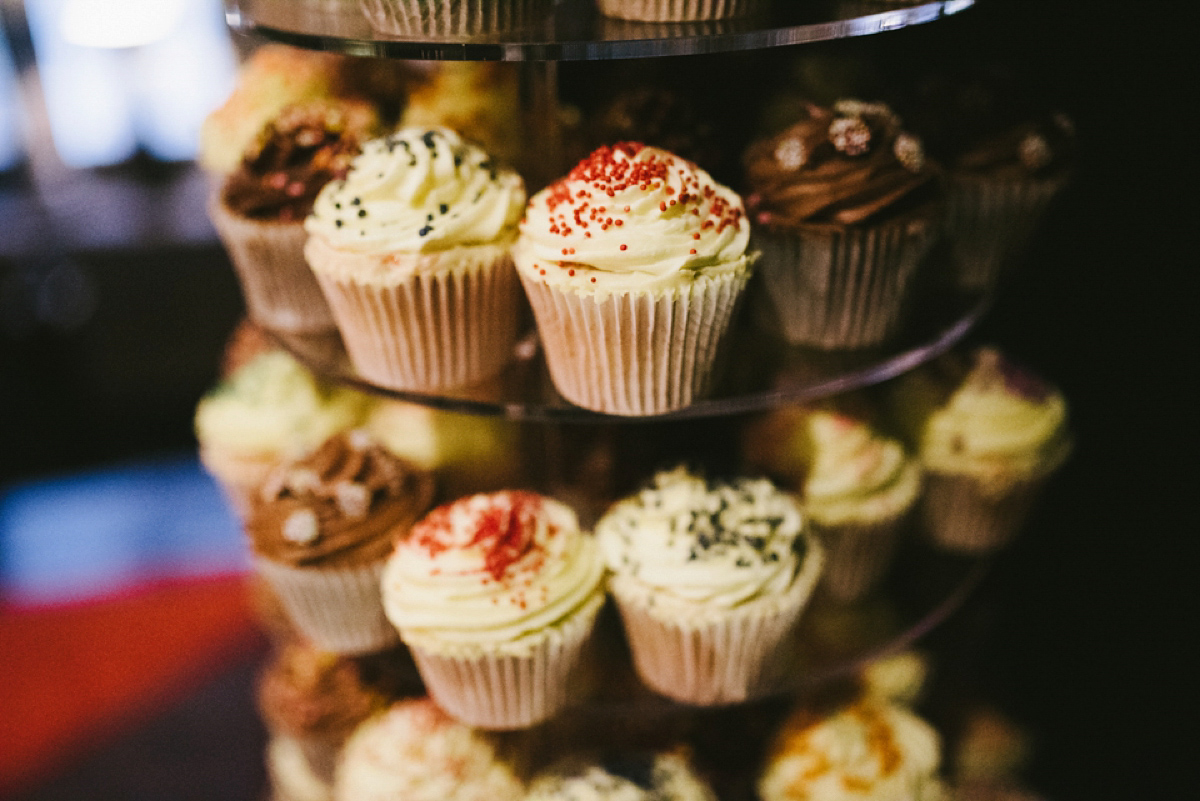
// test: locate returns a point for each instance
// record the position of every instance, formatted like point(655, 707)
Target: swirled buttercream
point(416, 752)
point(687, 542)
point(273, 406)
point(871, 751)
point(418, 190)
point(630, 214)
point(1001, 425)
point(491, 568)
point(632, 777)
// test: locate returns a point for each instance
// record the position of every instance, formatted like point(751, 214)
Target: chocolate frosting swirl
point(345, 504)
point(295, 155)
point(845, 165)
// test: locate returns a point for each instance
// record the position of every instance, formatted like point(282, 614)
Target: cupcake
point(416, 752)
point(451, 17)
point(857, 486)
point(634, 264)
point(271, 409)
point(624, 777)
point(1005, 161)
point(845, 209)
point(314, 700)
point(989, 436)
point(321, 530)
point(412, 251)
point(871, 750)
point(676, 10)
point(467, 453)
point(710, 580)
point(259, 210)
point(496, 595)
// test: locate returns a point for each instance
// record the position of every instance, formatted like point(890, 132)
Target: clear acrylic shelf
point(573, 30)
point(760, 373)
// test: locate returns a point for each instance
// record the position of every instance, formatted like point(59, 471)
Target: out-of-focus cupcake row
point(415, 243)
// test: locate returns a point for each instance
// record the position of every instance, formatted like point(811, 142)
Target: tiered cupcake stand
point(924, 588)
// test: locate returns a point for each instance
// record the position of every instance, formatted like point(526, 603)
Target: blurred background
point(116, 301)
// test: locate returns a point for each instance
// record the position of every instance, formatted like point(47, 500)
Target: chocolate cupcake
point(321, 530)
point(260, 208)
point(845, 208)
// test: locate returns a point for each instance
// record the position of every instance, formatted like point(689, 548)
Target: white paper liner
point(635, 353)
point(675, 10)
point(988, 223)
point(857, 556)
point(291, 776)
point(450, 17)
point(280, 289)
point(508, 688)
point(958, 514)
point(339, 610)
point(842, 288)
point(436, 329)
point(239, 478)
point(727, 656)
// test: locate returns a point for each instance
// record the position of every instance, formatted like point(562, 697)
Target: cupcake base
point(450, 17)
point(842, 287)
point(960, 515)
point(423, 322)
point(513, 686)
point(675, 10)
point(339, 610)
point(857, 556)
point(635, 353)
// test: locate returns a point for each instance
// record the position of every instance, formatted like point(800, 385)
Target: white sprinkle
point(790, 154)
point(301, 527)
point(303, 480)
point(354, 500)
point(360, 439)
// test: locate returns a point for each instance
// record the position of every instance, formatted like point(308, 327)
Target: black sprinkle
point(337, 205)
point(424, 231)
point(742, 562)
point(428, 218)
point(357, 201)
point(772, 557)
point(443, 208)
point(338, 223)
point(362, 212)
point(430, 139)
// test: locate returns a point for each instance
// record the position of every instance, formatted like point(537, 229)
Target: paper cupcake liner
point(958, 514)
point(842, 288)
point(675, 10)
point(291, 776)
point(989, 222)
point(857, 556)
point(451, 17)
point(238, 477)
point(508, 688)
point(339, 610)
point(724, 657)
point(280, 289)
point(635, 353)
point(436, 329)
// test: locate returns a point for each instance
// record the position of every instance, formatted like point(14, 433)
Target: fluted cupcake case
point(452, 17)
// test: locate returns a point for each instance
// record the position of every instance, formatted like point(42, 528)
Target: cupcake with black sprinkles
point(711, 579)
point(412, 251)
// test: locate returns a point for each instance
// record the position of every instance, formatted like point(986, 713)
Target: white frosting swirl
point(632, 214)
point(637, 777)
point(274, 407)
point(491, 568)
point(418, 190)
point(721, 545)
point(871, 751)
point(416, 752)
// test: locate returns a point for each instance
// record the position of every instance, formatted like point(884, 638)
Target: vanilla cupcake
point(871, 750)
point(269, 410)
point(677, 10)
point(710, 580)
point(496, 596)
point(623, 777)
point(321, 530)
point(634, 264)
point(416, 752)
point(989, 436)
point(857, 486)
point(412, 252)
point(452, 18)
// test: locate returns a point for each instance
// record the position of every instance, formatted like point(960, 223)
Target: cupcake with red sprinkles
point(634, 264)
point(496, 596)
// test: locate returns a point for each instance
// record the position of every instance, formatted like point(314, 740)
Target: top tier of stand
point(573, 30)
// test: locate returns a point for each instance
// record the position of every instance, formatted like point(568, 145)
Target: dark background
point(1085, 629)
